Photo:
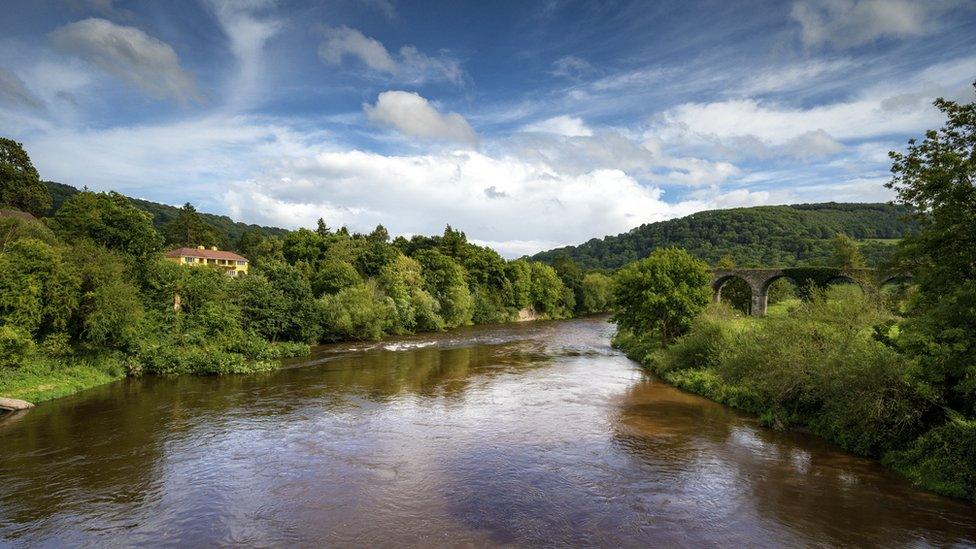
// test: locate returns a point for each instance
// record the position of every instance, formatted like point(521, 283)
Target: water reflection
point(537, 434)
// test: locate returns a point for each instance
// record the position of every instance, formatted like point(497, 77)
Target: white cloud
point(798, 76)
point(129, 54)
point(571, 66)
point(342, 41)
point(412, 115)
point(569, 126)
point(247, 34)
point(14, 92)
point(411, 65)
point(849, 23)
point(418, 194)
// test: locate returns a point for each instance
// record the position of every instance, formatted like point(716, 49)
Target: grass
point(47, 378)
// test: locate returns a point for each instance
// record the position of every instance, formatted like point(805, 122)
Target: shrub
point(943, 459)
point(15, 346)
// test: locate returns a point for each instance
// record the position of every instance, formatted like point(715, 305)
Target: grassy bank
point(830, 365)
point(40, 377)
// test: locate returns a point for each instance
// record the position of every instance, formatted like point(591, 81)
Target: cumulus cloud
point(408, 65)
point(410, 193)
point(414, 116)
point(569, 126)
point(849, 23)
point(129, 54)
point(14, 92)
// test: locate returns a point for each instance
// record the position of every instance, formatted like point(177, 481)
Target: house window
point(188, 260)
point(239, 262)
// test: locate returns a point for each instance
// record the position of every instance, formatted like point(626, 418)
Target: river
point(525, 434)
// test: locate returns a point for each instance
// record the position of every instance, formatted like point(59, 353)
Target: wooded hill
point(757, 236)
point(162, 214)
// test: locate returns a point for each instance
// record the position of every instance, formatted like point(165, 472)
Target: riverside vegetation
point(86, 296)
point(891, 375)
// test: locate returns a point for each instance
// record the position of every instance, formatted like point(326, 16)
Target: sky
point(528, 125)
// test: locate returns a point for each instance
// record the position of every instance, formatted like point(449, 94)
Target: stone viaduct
point(759, 280)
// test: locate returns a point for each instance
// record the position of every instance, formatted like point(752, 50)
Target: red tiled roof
point(205, 253)
point(17, 213)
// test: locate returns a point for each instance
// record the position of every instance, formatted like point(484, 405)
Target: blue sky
point(527, 124)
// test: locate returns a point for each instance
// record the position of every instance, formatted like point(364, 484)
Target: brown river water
point(537, 434)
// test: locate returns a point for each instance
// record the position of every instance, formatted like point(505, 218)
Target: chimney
point(200, 248)
point(214, 248)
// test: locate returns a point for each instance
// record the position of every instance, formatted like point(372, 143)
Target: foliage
point(661, 294)
point(936, 180)
point(357, 312)
point(107, 219)
point(758, 236)
point(189, 229)
point(596, 293)
point(20, 185)
point(943, 459)
point(846, 254)
point(163, 213)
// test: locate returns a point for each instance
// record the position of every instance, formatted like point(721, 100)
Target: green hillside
point(164, 213)
point(758, 236)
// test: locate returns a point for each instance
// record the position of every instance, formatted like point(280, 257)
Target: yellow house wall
point(231, 264)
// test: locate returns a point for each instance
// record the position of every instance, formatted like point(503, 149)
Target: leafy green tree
point(519, 274)
point(379, 234)
point(110, 313)
point(20, 185)
point(662, 294)
point(257, 247)
point(935, 179)
point(332, 275)
point(571, 275)
point(359, 312)
point(444, 279)
point(189, 229)
point(303, 245)
point(301, 323)
point(108, 219)
point(39, 288)
point(846, 253)
point(264, 308)
point(597, 294)
point(546, 290)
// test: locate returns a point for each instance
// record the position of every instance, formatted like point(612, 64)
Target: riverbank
point(827, 366)
point(45, 378)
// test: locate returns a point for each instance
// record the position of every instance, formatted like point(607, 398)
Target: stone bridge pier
point(759, 280)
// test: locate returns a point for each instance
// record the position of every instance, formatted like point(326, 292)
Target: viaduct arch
point(759, 280)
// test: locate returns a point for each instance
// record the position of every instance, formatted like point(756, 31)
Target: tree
point(571, 275)
point(108, 219)
point(444, 279)
point(20, 184)
point(379, 234)
point(332, 275)
point(596, 293)
point(846, 254)
point(936, 179)
point(190, 230)
point(546, 293)
point(322, 229)
point(661, 294)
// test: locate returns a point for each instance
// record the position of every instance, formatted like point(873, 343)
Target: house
point(228, 262)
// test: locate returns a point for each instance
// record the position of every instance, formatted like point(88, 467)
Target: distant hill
point(164, 213)
point(758, 236)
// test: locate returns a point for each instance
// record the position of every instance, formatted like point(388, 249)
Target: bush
point(15, 346)
point(943, 459)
